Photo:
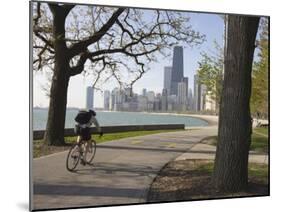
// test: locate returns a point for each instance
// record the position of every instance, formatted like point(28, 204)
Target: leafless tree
point(108, 42)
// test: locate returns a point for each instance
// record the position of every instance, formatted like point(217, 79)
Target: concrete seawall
point(38, 134)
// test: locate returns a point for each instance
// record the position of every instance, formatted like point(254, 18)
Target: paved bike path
point(122, 171)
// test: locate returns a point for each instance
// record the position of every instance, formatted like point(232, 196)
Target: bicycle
point(81, 150)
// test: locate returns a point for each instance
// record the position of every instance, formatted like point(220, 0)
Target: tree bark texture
point(54, 134)
point(235, 127)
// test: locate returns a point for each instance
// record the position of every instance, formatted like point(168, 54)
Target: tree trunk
point(54, 134)
point(235, 128)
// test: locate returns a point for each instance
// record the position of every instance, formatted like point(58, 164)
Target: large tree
point(235, 127)
point(115, 42)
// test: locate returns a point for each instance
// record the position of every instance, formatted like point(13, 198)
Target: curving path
point(122, 172)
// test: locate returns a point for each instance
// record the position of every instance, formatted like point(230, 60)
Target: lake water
point(119, 118)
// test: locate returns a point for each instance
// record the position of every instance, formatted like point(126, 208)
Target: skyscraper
point(142, 103)
point(167, 78)
point(106, 100)
point(177, 69)
point(190, 100)
point(197, 94)
point(113, 96)
point(182, 96)
point(118, 100)
point(185, 80)
point(164, 100)
point(144, 92)
point(90, 97)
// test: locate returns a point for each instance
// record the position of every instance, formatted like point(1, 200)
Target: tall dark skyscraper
point(177, 69)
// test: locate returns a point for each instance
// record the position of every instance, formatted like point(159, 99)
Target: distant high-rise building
point(106, 100)
point(113, 96)
point(128, 92)
point(142, 103)
point(90, 97)
point(144, 92)
point(150, 96)
point(190, 100)
point(164, 100)
point(167, 78)
point(172, 99)
point(197, 94)
point(119, 100)
point(185, 80)
point(182, 96)
point(177, 69)
point(157, 102)
point(150, 100)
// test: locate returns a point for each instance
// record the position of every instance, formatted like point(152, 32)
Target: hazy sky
point(209, 24)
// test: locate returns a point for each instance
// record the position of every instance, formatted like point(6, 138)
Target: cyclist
point(84, 119)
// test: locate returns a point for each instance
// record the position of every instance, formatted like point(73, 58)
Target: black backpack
point(83, 117)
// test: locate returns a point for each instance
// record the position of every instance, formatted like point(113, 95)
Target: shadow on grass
point(191, 180)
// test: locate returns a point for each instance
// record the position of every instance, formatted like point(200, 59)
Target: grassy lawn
point(259, 143)
point(39, 149)
point(257, 171)
point(114, 136)
point(262, 130)
point(259, 140)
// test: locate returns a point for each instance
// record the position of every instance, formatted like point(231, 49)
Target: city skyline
point(176, 94)
point(209, 24)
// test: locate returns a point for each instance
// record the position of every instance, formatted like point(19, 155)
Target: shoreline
point(211, 120)
point(149, 118)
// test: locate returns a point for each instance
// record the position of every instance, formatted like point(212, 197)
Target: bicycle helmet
point(93, 112)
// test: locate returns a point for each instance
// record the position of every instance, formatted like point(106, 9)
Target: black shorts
point(85, 133)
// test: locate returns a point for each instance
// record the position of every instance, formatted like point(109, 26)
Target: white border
point(14, 88)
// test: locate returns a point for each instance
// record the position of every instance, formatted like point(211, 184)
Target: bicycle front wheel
point(73, 157)
point(90, 151)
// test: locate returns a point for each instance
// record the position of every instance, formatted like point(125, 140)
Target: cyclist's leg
point(80, 143)
point(85, 143)
point(78, 139)
point(87, 148)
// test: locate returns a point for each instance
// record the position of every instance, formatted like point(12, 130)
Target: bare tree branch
point(82, 46)
point(97, 42)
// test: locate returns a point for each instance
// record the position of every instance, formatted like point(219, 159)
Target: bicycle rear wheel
point(73, 157)
point(90, 151)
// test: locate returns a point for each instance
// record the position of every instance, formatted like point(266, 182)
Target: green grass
point(259, 142)
point(262, 130)
point(257, 171)
point(115, 136)
point(39, 149)
point(206, 167)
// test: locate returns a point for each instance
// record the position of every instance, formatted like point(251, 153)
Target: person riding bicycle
point(84, 119)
